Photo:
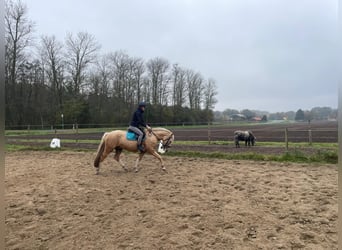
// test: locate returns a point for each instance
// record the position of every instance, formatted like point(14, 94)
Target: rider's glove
point(149, 128)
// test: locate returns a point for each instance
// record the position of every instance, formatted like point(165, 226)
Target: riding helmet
point(142, 104)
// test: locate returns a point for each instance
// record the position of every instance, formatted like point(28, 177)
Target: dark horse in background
point(246, 136)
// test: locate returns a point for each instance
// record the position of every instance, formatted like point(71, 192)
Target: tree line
point(47, 80)
point(316, 113)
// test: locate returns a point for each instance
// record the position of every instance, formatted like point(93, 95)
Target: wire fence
point(97, 125)
point(263, 135)
point(287, 133)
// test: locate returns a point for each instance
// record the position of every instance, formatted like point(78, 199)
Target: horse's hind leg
point(138, 161)
point(105, 153)
point(118, 158)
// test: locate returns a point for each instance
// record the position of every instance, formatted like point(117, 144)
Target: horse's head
point(252, 137)
point(165, 137)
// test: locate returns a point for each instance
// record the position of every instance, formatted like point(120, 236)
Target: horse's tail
point(100, 150)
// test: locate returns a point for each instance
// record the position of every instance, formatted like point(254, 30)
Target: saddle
point(131, 136)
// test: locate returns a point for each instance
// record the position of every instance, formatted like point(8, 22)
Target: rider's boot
point(141, 148)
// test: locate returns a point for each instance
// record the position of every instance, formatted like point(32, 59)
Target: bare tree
point(157, 69)
point(127, 77)
point(179, 86)
point(52, 56)
point(210, 91)
point(133, 80)
point(119, 70)
point(138, 69)
point(81, 51)
point(194, 83)
point(145, 93)
point(101, 86)
point(18, 36)
point(33, 91)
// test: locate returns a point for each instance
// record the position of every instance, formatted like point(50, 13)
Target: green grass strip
point(322, 156)
point(330, 157)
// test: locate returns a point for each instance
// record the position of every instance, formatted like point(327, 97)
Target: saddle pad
point(131, 136)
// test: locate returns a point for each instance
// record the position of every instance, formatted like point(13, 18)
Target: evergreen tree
point(299, 115)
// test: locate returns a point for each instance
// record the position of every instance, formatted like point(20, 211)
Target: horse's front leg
point(155, 154)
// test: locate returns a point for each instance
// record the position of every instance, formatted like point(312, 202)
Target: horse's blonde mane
point(160, 128)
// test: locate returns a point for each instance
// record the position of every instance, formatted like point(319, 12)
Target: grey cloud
point(262, 53)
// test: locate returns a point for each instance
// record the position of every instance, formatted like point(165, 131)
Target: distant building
point(256, 119)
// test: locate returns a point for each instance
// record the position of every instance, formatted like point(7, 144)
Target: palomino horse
point(117, 140)
point(246, 136)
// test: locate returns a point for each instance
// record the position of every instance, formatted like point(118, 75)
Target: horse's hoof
point(136, 170)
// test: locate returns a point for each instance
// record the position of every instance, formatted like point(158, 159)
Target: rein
point(166, 144)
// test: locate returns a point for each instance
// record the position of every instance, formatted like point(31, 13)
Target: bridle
point(166, 144)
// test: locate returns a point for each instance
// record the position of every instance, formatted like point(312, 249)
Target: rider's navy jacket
point(138, 119)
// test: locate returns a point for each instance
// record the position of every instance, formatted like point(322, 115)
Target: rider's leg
point(140, 136)
point(140, 140)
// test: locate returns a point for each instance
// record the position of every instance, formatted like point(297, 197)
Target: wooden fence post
point(77, 133)
point(310, 137)
point(209, 133)
point(286, 139)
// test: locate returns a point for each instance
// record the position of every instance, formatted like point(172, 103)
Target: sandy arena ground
point(55, 201)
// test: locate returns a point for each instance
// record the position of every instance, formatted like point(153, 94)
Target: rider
point(137, 124)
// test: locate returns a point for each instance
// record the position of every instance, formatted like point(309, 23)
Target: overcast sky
point(271, 55)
